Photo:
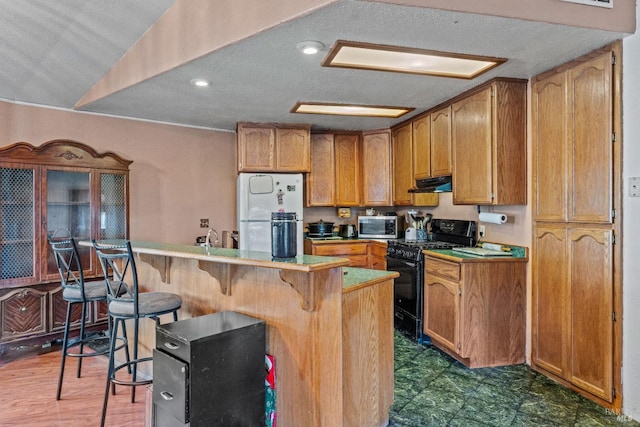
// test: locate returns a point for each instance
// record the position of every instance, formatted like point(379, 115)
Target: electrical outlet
point(634, 187)
point(204, 223)
point(481, 231)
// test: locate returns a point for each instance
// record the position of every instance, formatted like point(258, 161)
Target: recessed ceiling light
point(398, 59)
point(349, 109)
point(200, 82)
point(310, 47)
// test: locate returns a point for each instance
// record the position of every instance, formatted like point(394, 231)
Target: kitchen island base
point(331, 334)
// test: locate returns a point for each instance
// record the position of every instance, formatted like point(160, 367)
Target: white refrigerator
point(258, 196)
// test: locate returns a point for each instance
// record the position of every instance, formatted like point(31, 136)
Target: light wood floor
point(28, 390)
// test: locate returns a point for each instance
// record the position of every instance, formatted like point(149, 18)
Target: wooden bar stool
point(127, 303)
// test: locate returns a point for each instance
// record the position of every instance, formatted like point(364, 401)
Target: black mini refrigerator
point(210, 371)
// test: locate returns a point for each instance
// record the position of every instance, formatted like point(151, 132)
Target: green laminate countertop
point(518, 254)
point(305, 263)
point(354, 278)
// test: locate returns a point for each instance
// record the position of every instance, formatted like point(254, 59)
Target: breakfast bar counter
point(329, 327)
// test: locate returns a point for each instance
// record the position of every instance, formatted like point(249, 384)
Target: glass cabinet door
point(113, 207)
point(17, 224)
point(69, 211)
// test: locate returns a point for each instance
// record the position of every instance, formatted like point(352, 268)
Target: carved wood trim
point(219, 271)
point(303, 283)
point(63, 152)
point(159, 262)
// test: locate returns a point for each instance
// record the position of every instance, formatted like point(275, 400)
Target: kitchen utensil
point(347, 230)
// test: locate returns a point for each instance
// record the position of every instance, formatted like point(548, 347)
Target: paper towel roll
point(493, 218)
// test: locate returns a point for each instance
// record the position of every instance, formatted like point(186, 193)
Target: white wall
point(631, 226)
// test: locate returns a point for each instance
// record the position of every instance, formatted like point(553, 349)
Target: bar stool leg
point(112, 345)
point(135, 357)
point(81, 347)
point(64, 350)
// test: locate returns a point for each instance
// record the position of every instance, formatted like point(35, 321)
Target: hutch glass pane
point(113, 213)
point(17, 216)
point(69, 211)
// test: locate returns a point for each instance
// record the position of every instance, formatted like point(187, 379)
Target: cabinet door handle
point(171, 346)
point(166, 395)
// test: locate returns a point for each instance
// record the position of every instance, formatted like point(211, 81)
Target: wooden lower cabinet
point(363, 254)
point(22, 313)
point(377, 254)
point(573, 314)
point(39, 312)
point(475, 311)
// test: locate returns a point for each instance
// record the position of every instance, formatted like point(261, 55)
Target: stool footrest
point(104, 340)
point(137, 382)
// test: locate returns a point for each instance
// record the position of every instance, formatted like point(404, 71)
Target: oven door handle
point(400, 261)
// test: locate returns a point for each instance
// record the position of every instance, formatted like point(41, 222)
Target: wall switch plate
point(481, 231)
point(634, 187)
point(204, 223)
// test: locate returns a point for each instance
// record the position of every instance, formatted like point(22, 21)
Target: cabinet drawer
point(341, 249)
point(446, 269)
point(23, 313)
point(171, 385)
point(378, 249)
point(358, 261)
point(172, 346)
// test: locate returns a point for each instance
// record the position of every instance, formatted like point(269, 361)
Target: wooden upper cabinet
point(321, 181)
point(472, 177)
point(256, 149)
point(402, 170)
point(292, 150)
point(266, 148)
point(376, 169)
point(422, 148)
point(572, 144)
point(488, 133)
point(441, 142)
point(550, 179)
point(590, 141)
point(402, 151)
point(347, 164)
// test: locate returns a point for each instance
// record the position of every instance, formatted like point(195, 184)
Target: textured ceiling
point(53, 52)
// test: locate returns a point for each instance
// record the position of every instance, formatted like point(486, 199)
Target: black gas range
point(406, 258)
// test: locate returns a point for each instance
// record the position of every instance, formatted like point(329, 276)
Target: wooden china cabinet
point(60, 188)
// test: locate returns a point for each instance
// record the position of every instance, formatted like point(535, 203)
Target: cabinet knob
point(166, 395)
point(23, 309)
point(171, 346)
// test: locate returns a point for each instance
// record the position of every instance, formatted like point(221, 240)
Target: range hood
point(441, 184)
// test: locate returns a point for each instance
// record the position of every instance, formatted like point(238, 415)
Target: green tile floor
point(432, 389)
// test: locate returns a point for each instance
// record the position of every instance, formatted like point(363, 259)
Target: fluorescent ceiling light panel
point(349, 109)
point(398, 59)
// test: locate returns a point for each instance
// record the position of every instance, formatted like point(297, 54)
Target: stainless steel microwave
point(378, 227)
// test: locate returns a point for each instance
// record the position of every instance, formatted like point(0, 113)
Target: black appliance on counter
point(406, 258)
